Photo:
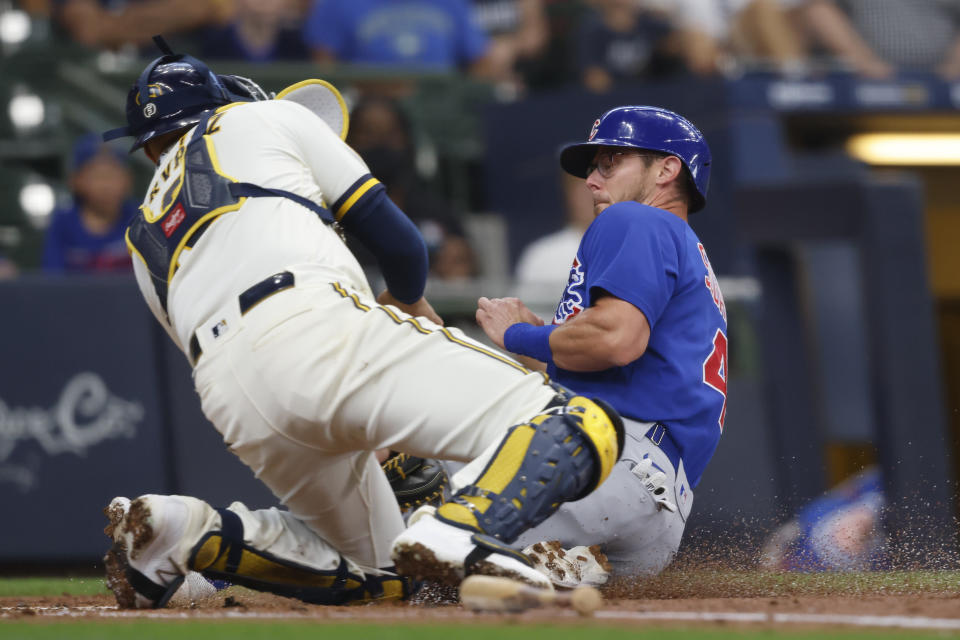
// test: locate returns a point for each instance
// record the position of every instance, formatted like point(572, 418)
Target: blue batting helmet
point(173, 92)
point(650, 128)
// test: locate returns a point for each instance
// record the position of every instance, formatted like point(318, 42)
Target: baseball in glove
point(416, 481)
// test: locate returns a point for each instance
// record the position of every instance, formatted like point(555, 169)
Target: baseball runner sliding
point(641, 324)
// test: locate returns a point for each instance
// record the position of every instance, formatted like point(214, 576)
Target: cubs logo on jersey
point(573, 296)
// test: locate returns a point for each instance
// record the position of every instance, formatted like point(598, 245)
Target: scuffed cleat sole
point(570, 568)
point(420, 563)
point(129, 528)
point(115, 561)
point(116, 568)
point(115, 511)
point(437, 551)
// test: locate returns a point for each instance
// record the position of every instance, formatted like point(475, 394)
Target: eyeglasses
point(606, 162)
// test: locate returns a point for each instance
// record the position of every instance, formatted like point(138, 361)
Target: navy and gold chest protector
point(189, 192)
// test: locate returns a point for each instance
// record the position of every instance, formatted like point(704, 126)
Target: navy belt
point(248, 300)
point(659, 436)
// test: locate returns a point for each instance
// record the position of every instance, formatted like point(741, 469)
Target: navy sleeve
point(394, 241)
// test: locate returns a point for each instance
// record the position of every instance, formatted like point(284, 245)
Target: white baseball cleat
point(152, 538)
point(438, 552)
point(570, 568)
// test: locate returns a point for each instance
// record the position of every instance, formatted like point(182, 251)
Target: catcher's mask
point(174, 91)
point(650, 128)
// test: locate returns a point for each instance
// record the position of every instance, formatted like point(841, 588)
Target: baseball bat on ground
point(489, 593)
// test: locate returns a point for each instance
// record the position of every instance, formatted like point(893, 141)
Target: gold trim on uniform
point(356, 195)
point(443, 330)
point(175, 257)
point(173, 189)
point(132, 250)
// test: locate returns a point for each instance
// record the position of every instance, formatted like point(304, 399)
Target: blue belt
point(248, 299)
point(659, 436)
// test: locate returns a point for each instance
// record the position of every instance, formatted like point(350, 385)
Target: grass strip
point(34, 587)
point(505, 630)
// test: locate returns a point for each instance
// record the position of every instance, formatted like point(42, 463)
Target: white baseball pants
point(637, 535)
point(310, 381)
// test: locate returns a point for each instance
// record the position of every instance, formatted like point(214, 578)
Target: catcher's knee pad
point(561, 455)
point(224, 555)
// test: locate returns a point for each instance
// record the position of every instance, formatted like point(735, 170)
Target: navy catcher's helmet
point(646, 128)
point(174, 91)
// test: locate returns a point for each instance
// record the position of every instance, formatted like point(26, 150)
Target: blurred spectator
point(544, 265)
point(259, 31)
point(109, 25)
point(839, 531)
point(440, 34)
point(712, 34)
point(88, 237)
point(383, 136)
point(621, 40)
point(451, 256)
point(37, 8)
point(8, 270)
point(518, 32)
point(878, 37)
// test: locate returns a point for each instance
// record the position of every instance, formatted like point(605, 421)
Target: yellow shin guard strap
point(560, 455)
point(224, 555)
point(602, 434)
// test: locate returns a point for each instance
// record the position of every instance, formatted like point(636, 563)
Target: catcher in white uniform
point(305, 373)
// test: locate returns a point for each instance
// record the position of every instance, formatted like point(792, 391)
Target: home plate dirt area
point(904, 600)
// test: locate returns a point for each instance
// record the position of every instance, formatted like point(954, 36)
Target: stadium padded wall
point(94, 403)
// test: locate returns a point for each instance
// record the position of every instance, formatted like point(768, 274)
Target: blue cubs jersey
point(653, 260)
point(69, 247)
point(432, 33)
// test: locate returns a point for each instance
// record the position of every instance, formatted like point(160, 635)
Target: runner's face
point(620, 175)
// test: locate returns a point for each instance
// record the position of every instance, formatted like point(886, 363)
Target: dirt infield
point(900, 600)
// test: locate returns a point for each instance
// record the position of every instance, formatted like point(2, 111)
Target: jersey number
point(715, 371)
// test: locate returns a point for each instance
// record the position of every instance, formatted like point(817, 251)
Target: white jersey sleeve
point(285, 134)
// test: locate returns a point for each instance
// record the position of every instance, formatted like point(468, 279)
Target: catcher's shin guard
point(224, 555)
point(561, 455)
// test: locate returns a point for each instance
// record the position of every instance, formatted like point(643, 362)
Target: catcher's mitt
point(416, 481)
